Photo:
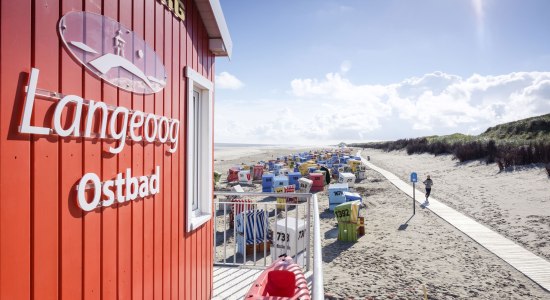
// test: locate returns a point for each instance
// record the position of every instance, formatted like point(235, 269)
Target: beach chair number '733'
point(281, 236)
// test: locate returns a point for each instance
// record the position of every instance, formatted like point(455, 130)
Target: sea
point(244, 145)
point(239, 145)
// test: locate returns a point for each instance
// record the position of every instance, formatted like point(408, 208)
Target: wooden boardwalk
point(232, 283)
point(531, 265)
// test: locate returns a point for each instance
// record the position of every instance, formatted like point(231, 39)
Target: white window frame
point(204, 192)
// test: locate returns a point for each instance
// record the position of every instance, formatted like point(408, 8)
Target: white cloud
point(333, 109)
point(228, 81)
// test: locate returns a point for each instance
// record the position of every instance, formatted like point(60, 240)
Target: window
point(196, 135)
point(199, 149)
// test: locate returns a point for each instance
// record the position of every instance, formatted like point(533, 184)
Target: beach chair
point(233, 174)
point(251, 226)
point(258, 171)
point(245, 177)
point(347, 215)
point(280, 200)
point(238, 206)
point(217, 177)
point(353, 197)
point(291, 189)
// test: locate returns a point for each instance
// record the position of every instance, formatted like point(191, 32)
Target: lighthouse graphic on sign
point(112, 52)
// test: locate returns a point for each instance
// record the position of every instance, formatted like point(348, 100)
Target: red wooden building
point(106, 120)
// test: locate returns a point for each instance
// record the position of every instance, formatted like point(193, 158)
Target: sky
point(318, 72)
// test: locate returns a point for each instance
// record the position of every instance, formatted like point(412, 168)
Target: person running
point(428, 182)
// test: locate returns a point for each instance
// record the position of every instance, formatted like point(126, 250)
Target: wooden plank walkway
point(232, 283)
point(531, 265)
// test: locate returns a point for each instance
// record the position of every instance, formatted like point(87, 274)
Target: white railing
point(264, 212)
point(318, 289)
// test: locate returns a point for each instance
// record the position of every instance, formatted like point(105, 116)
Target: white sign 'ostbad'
point(120, 189)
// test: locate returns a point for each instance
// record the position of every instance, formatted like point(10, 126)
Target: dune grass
point(516, 143)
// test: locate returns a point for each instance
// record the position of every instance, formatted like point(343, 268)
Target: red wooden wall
point(49, 247)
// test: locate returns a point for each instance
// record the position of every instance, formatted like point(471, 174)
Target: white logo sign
point(113, 52)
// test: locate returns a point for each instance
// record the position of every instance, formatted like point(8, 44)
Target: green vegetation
point(451, 139)
point(521, 142)
point(526, 130)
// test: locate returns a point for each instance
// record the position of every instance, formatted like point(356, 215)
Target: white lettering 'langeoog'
point(122, 122)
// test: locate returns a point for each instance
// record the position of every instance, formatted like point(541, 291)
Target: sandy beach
point(515, 203)
point(402, 255)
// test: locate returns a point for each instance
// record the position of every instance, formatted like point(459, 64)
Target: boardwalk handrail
point(318, 288)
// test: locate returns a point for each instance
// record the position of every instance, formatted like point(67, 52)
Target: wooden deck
point(531, 265)
point(232, 283)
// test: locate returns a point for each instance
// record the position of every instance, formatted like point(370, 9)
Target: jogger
point(428, 182)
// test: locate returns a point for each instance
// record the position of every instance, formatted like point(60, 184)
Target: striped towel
point(261, 219)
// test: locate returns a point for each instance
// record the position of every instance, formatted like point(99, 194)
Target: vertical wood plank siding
point(15, 153)
point(45, 203)
point(49, 247)
point(91, 279)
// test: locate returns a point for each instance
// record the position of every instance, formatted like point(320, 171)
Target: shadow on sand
point(332, 234)
point(405, 225)
point(327, 214)
point(330, 252)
